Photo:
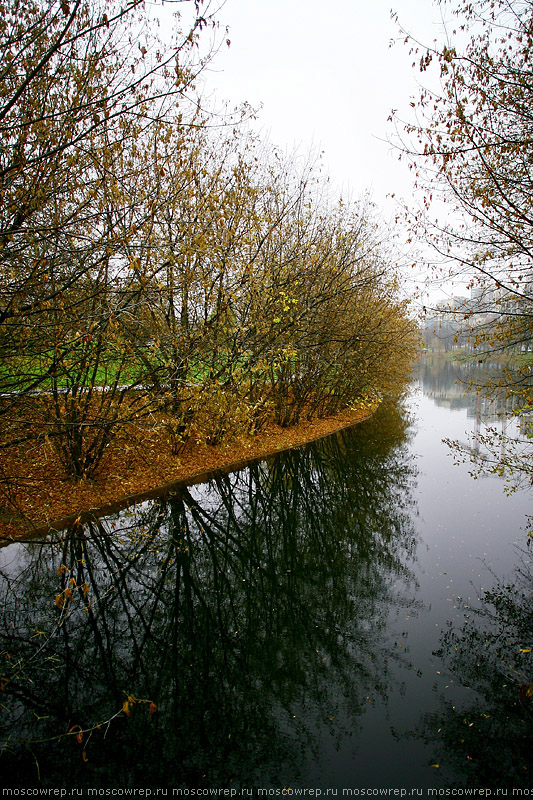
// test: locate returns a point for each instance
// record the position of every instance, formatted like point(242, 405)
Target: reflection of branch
point(488, 655)
point(208, 605)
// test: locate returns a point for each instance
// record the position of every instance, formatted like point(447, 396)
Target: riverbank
point(135, 470)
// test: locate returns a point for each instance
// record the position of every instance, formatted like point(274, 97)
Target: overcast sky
point(326, 77)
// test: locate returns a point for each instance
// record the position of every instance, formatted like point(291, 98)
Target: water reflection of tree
point(453, 384)
point(502, 439)
point(230, 606)
point(489, 740)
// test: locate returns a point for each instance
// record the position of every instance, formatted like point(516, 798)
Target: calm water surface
point(355, 614)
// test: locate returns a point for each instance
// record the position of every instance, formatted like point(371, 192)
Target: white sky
point(327, 79)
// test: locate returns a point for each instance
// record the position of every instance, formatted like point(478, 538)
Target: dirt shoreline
point(132, 474)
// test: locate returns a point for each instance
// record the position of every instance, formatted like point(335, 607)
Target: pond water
point(352, 615)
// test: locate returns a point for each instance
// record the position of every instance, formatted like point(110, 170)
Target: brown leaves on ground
point(137, 462)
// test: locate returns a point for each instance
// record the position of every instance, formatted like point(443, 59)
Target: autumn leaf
point(79, 735)
point(526, 691)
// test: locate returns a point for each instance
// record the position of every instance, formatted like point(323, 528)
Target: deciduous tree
point(472, 148)
point(81, 84)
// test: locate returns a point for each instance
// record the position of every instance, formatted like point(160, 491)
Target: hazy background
point(325, 77)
